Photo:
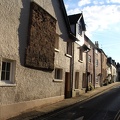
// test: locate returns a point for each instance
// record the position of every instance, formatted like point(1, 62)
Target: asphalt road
point(103, 107)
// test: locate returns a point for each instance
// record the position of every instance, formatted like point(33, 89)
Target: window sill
point(57, 80)
point(81, 61)
point(57, 50)
point(76, 89)
point(67, 55)
point(7, 85)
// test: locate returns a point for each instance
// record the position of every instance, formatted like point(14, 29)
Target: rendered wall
point(30, 84)
point(79, 66)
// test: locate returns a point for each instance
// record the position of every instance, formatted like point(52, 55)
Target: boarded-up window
point(41, 40)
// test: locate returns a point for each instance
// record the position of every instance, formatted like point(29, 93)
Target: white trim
point(7, 85)
point(11, 80)
point(76, 89)
point(81, 61)
point(67, 55)
point(57, 80)
point(57, 50)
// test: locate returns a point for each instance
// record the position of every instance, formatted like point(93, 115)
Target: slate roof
point(89, 41)
point(67, 20)
point(74, 18)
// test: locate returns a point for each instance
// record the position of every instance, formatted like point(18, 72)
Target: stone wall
point(41, 36)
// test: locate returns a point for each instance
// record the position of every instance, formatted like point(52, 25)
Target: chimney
point(96, 44)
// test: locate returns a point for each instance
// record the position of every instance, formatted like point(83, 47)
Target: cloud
point(66, 6)
point(98, 17)
point(98, 2)
point(73, 11)
point(114, 1)
point(83, 2)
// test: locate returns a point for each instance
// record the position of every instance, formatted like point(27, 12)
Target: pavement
point(40, 111)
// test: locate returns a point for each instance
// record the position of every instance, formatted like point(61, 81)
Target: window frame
point(89, 58)
point(11, 80)
point(69, 48)
point(76, 80)
point(80, 28)
point(80, 54)
point(96, 62)
point(58, 75)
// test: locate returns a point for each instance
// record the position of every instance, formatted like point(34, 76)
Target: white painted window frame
point(11, 81)
point(61, 75)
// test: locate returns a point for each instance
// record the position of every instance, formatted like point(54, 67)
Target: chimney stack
point(96, 44)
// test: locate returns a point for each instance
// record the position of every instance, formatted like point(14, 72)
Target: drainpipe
point(86, 71)
point(94, 67)
point(101, 81)
point(72, 68)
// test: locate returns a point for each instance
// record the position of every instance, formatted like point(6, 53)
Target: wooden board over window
point(41, 39)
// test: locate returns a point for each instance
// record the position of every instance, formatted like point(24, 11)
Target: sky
point(102, 19)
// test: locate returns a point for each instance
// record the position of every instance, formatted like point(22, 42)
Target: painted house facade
point(104, 67)
point(113, 71)
point(97, 59)
point(34, 55)
point(79, 56)
point(90, 67)
point(44, 55)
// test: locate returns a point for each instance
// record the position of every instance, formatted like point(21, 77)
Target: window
point(96, 51)
point(89, 46)
point(5, 74)
point(97, 62)
point(69, 48)
point(80, 29)
point(81, 54)
point(7, 71)
point(76, 80)
point(84, 82)
point(89, 58)
point(57, 42)
point(58, 73)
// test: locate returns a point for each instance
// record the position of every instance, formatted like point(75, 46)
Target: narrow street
point(103, 107)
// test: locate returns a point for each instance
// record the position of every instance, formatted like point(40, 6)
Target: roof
point(74, 18)
point(67, 20)
point(103, 52)
point(89, 41)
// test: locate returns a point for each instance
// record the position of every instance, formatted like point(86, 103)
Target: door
point(68, 90)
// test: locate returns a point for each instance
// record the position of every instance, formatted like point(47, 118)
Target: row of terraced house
point(45, 56)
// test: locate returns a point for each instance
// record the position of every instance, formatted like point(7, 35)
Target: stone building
point(35, 48)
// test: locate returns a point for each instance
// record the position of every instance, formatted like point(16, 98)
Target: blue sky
point(102, 18)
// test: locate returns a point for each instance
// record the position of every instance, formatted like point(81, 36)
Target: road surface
point(103, 107)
